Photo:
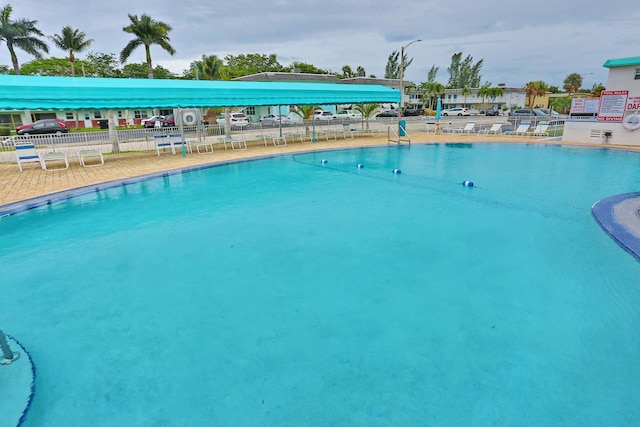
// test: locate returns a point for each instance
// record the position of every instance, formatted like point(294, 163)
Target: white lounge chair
point(348, 131)
point(26, 153)
point(431, 127)
point(240, 143)
point(89, 153)
point(493, 130)
point(468, 128)
point(540, 129)
point(521, 130)
point(197, 143)
point(54, 157)
point(168, 141)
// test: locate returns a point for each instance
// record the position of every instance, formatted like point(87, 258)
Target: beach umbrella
point(438, 108)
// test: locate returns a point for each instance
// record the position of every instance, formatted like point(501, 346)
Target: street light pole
point(402, 73)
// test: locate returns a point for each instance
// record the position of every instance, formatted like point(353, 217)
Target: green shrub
point(5, 131)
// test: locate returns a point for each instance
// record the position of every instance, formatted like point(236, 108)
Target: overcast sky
point(520, 41)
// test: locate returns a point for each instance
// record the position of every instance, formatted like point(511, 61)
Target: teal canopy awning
point(76, 93)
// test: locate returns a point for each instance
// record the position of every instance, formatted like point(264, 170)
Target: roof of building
point(392, 83)
point(75, 93)
point(289, 77)
point(622, 62)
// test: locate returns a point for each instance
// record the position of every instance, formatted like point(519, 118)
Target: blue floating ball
point(324, 161)
point(467, 183)
point(397, 171)
point(360, 165)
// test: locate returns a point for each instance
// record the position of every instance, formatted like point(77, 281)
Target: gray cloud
point(518, 41)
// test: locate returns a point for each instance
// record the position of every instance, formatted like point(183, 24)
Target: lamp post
point(402, 73)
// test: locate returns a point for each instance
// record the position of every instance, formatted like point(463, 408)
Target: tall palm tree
point(21, 34)
point(73, 41)
point(147, 32)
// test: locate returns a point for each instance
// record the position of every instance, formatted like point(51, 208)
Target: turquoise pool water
point(283, 292)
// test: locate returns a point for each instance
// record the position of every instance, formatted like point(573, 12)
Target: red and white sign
point(613, 104)
point(633, 103)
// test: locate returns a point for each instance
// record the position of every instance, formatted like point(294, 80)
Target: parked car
point(407, 112)
point(274, 119)
point(536, 115)
point(236, 119)
point(151, 121)
point(492, 112)
point(349, 114)
point(460, 111)
point(388, 113)
point(169, 121)
point(323, 115)
point(44, 126)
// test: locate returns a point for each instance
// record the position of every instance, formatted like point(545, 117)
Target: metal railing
point(142, 139)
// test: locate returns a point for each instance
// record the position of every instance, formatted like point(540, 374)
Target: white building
point(512, 97)
point(624, 76)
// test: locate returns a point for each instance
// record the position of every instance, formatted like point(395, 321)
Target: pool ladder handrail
point(398, 139)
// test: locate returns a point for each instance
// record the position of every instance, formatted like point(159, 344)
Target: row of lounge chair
point(523, 129)
point(26, 152)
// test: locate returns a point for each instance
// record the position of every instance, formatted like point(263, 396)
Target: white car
point(236, 119)
point(323, 115)
point(456, 112)
point(275, 119)
point(349, 114)
point(151, 121)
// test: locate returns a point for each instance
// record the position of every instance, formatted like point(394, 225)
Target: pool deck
point(34, 186)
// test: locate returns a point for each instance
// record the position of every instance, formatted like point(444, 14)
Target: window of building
point(69, 115)
point(10, 120)
point(637, 76)
point(97, 114)
point(119, 114)
point(250, 111)
point(140, 114)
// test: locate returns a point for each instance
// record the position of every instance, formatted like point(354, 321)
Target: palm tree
point(533, 90)
point(465, 92)
point(367, 111)
point(596, 90)
point(210, 67)
point(347, 72)
point(495, 92)
point(484, 92)
point(71, 40)
point(303, 111)
point(432, 90)
point(147, 32)
point(21, 34)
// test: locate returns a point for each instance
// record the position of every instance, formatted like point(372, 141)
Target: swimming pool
point(288, 292)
